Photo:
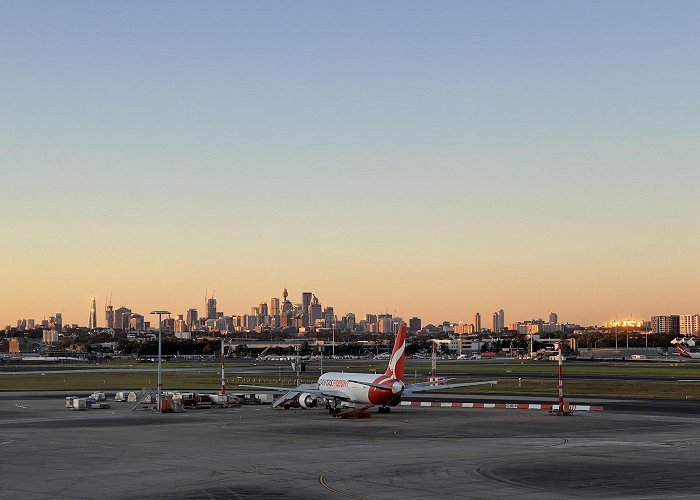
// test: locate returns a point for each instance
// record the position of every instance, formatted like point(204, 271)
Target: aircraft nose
point(397, 387)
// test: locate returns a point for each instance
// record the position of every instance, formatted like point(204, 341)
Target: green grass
point(211, 381)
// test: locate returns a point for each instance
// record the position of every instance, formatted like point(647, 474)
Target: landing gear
point(333, 406)
point(384, 409)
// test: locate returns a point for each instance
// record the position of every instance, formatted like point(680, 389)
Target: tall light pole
point(333, 346)
point(160, 333)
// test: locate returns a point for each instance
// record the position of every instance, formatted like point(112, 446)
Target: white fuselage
point(358, 393)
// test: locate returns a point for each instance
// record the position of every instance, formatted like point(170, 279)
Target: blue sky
point(481, 146)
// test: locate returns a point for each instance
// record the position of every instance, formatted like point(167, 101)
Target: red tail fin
point(682, 352)
point(395, 368)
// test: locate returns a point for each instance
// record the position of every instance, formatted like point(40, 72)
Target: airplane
point(341, 389)
point(685, 353)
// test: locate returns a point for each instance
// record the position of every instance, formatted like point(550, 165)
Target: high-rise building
point(180, 324)
point(136, 322)
point(192, 319)
point(121, 318)
point(109, 316)
point(274, 306)
point(211, 308)
point(315, 311)
point(666, 324)
point(92, 319)
point(477, 322)
point(494, 322)
point(328, 316)
point(414, 324)
point(264, 314)
point(501, 320)
point(689, 324)
point(274, 311)
point(384, 323)
point(305, 303)
point(553, 318)
point(57, 322)
point(350, 322)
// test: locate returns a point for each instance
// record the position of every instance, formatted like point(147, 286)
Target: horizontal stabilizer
point(371, 384)
point(427, 388)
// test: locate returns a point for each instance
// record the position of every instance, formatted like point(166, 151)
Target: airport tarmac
point(48, 451)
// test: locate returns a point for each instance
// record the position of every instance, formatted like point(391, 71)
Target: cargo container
point(166, 404)
point(121, 396)
point(80, 404)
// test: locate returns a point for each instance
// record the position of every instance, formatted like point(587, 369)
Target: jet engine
point(397, 387)
point(307, 400)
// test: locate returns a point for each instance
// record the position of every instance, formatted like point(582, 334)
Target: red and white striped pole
point(223, 377)
point(561, 383)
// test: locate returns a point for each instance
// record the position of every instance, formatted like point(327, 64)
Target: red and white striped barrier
point(503, 406)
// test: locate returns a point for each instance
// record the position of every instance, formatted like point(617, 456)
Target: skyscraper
point(477, 322)
point(414, 324)
point(494, 322)
point(211, 308)
point(92, 319)
point(501, 320)
point(553, 319)
point(274, 311)
point(121, 318)
point(109, 316)
point(192, 319)
point(315, 311)
point(305, 303)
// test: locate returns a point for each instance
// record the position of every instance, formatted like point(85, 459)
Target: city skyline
point(211, 309)
point(436, 160)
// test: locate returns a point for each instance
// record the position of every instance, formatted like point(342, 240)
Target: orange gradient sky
point(426, 161)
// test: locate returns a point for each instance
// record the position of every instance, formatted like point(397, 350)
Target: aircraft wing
point(313, 388)
point(269, 388)
point(424, 387)
point(308, 388)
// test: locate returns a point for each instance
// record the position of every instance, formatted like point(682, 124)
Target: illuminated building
point(689, 324)
point(477, 322)
point(92, 319)
point(624, 323)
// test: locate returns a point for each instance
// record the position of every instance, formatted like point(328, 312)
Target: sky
point(428, 159)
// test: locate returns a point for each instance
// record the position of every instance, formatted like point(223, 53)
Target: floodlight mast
point(160, 332)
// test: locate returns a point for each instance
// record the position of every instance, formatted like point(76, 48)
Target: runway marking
point(322, 481)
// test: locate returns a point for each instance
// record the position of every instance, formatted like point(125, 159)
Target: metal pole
point(223, 376)
point(561, 383)
point(333, 355)
point(160, 334)
point(160, 381)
